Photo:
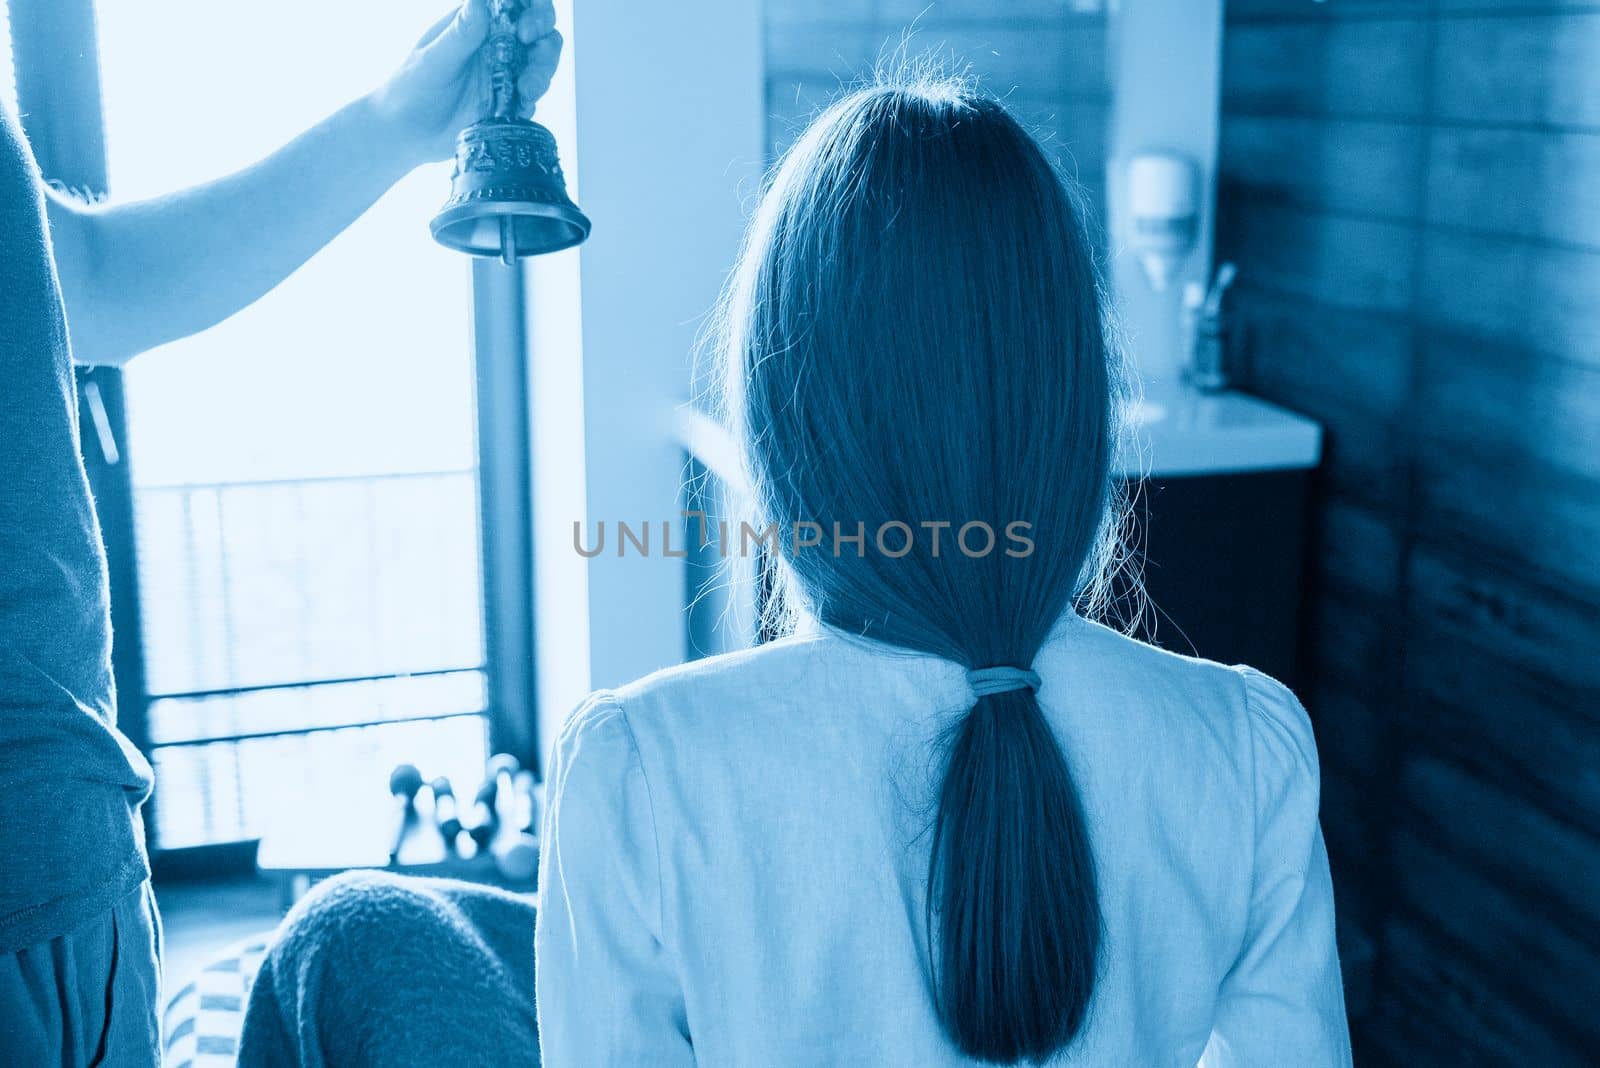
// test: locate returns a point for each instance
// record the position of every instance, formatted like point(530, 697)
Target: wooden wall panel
point(1320, 257)
point(1545, 632)
point(1468, 7)
point(1347, 822)
point(1347, 369)
point(1531, 736)
point(1355, 68)
point(1554, 976)
point(1512, 402)
point(1453, 614)
point(1516, 182)
point(1443, 1010)
point(1549, 864)
point(1351, 645)
point(1356, 549)
point(1345, 165)
point(1246, 10)
point(1502, 677)
point(1541, 69)
point(1353, 749)
point(1333, 358)
point(1357, 880)
point(1543, 297)
point(1513, 514)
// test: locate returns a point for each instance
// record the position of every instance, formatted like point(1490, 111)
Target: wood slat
point(1516, 182)
point(1352, 646)
point(1246, 10)
point(1343, 165)
point(1453, 637)
point(1359, 68)
point(1355, 734)
point(1502, 676)
point(1438, 1008)
point(1356, 549)
point(1541, 69)
point(1358, 951)
point(1530, 295)
point(1515, 512)
point(1537, 629)
point(1454, 7)
point(1352, 835)
point(1347, 370)
point(1510, 402)
point(1548, 863)
point(1330, 259)
point(1460, 706)
point(1548, 972)
point(1354, 742)
point(1333, 358)
point(1353, 828)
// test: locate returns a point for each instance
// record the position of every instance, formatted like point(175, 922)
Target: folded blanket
point(372, 968)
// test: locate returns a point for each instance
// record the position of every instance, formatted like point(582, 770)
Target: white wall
point(1166, 58)
point(661, 118)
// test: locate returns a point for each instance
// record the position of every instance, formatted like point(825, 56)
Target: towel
point(373, 968)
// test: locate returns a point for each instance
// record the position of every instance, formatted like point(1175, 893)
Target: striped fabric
point(203, 1018)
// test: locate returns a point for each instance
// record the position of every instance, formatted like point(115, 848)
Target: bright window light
point(304, 474)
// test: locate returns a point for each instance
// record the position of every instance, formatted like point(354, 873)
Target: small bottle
point(1206, 372)
point(1205, 332)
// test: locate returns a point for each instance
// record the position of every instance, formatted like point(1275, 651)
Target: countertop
point(1177, 431)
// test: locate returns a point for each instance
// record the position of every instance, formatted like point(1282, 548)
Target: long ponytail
point(1011, 887)
point(915, 343)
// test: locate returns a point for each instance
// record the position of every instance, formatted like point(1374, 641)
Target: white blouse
point(736, 851)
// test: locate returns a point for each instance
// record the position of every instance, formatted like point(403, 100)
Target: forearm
point(140, 274)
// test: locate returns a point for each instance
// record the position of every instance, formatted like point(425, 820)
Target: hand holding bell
point(508, 197)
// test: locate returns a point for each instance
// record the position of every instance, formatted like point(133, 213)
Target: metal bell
point(507, 195)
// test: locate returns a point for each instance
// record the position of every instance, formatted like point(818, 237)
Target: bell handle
point(505, 58)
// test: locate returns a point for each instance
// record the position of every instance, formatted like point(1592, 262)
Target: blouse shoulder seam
point(615, 702)
point(1250, 714)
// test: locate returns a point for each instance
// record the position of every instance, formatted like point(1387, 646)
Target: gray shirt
point(71, 842)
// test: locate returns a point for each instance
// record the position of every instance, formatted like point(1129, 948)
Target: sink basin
point(1175, 430)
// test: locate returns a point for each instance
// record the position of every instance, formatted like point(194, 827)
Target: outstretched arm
point(139, 274)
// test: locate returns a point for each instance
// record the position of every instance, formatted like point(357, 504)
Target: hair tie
point(1002, 679)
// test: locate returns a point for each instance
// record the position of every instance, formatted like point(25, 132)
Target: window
point(304, 474)
point(8, 76)
point(305, 485)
